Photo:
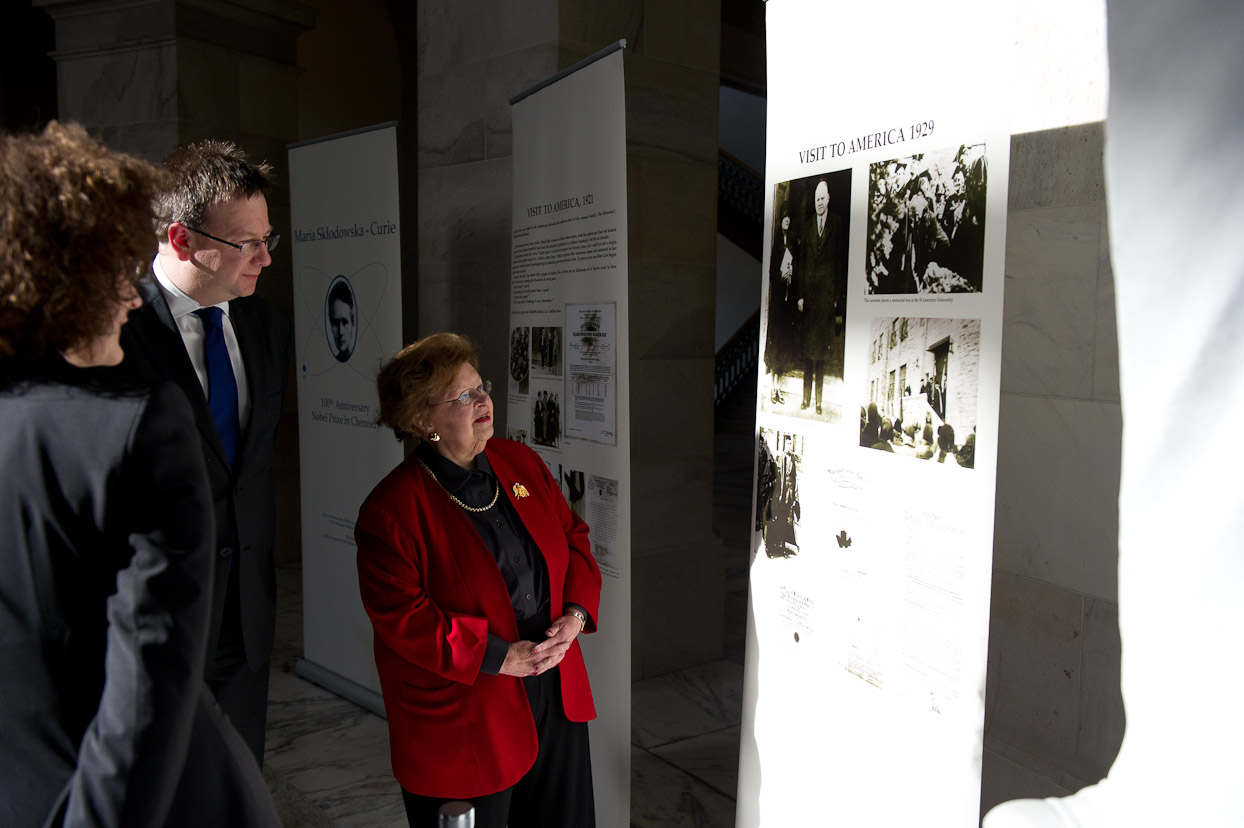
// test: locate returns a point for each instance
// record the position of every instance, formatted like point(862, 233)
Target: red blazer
point(433, 592)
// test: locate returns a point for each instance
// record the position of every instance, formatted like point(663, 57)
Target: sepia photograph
point(778, 513)
point(520, 360)
point(926, 222)
point(546, 418)
point(923, 385)
point(546, 351)
point(806, 299)
point(575, 489)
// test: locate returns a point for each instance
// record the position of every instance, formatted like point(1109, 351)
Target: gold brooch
point(520, 491)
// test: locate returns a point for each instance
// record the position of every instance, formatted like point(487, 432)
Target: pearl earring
point(434, 437)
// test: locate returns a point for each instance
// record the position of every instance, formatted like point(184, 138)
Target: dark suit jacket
point(243, 494)
point(820, 281)
point(105, 581)
point(434, 592)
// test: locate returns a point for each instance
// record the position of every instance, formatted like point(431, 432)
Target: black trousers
point(243, 694)
point(555, 793)
point(240, 691)
point(813, 377)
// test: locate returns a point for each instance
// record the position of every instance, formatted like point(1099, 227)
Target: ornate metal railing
point(740, 203)
point(736, 359)
point(740, 218)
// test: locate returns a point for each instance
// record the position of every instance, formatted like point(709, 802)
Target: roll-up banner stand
point(569, 380)
point(346, 230)
point(877, 413)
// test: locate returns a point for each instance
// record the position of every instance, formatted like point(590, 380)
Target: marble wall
point(1054, 713)
point(672, 100)
point(349, 69)
point(471, 56)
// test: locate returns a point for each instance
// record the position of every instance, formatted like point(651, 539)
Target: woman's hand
point(549, 653)
point(526, 658)
point(519, 660)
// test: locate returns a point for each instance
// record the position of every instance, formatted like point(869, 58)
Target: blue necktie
point(222, 386)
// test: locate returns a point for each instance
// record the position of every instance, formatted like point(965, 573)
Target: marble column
point(150, 75)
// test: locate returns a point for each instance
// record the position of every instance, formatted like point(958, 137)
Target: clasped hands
point(528, 658)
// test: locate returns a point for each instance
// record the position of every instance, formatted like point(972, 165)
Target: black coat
point(820, 281)
point(105, 589)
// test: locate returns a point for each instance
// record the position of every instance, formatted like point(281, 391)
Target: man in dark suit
point(201, 327)
point(821, 288)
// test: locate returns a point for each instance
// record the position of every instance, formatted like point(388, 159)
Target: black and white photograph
point(546, 418)
point(926, 222)
point(778, 513)
point(574, 487)
point(518, 435)
point(341, 318)
point(591, 411)
point(520, 360)
point(923, 387)
point(546, 351)
point(807, 297)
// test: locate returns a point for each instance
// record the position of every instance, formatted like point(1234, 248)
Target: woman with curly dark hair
point(105, 565)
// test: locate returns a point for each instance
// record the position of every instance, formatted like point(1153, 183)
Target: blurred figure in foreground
point(105, 566)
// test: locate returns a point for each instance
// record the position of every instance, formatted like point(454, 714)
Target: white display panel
point(569, 349)
point(345, 236)
point(887, 162)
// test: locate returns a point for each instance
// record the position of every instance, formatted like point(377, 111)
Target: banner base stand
point(364, 697)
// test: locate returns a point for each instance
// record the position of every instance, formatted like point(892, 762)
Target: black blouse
point(502, 531)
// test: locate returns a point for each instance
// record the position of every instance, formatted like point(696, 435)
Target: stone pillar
point(146, 77)
point(153, 75)
point(472, 55)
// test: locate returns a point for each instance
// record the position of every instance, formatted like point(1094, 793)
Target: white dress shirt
point(191, 327)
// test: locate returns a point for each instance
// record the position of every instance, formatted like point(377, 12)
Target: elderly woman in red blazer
point(478, 578)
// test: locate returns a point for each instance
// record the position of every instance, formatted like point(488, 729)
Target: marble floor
point(327, 760)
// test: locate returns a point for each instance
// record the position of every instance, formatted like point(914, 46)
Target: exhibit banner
point(568, 388)
point(877, 413)
point(345, 232)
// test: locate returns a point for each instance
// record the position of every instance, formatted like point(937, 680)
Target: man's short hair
point(207, 173)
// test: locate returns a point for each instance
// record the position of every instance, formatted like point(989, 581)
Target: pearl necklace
point(495, 495)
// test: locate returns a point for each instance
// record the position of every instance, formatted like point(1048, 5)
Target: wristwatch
point(580, 615)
